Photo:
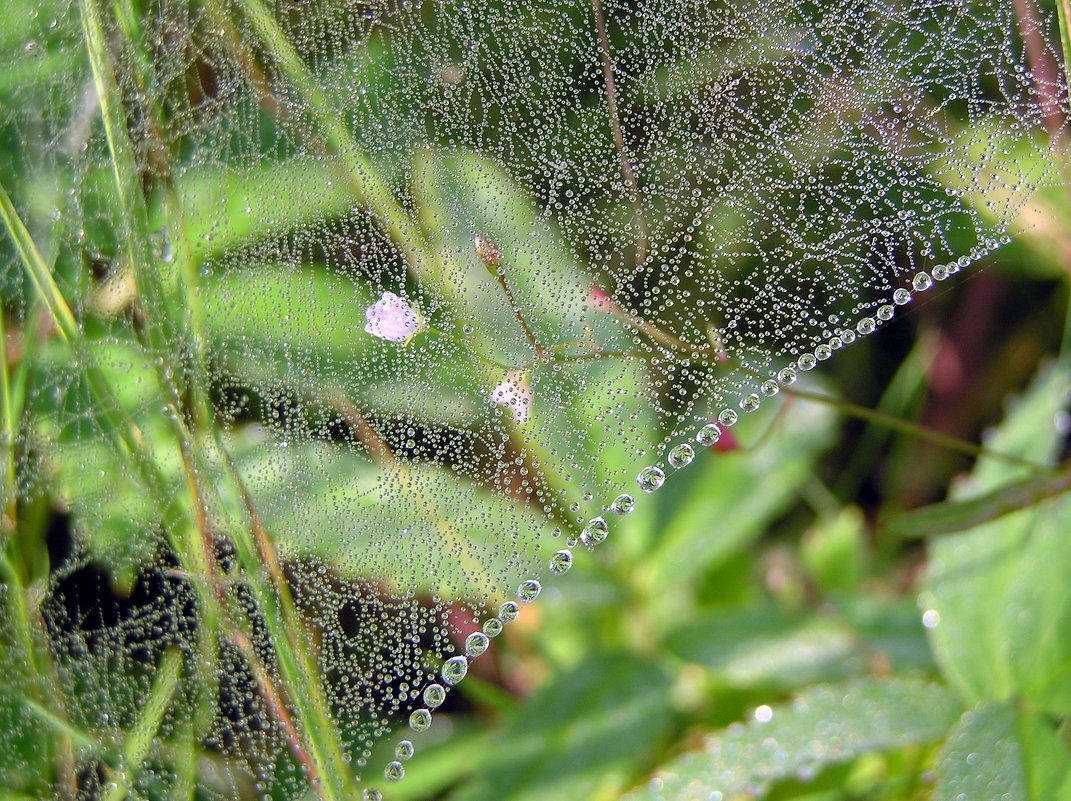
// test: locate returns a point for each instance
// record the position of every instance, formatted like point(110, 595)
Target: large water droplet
point(394, 772)
point(454, 669)
point(623, 504)
point(420, 720)
point(529, 590)
point(434, 695)
point(561, 562)
point(708, 435)
point(594, 532)
point(476, 643)
point(492, 627)
point(404, 750)
point(728, 417)
point(651, 478)
point(508, 612)
point(682, 455)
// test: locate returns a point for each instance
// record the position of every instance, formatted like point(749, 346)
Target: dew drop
point(404, 750)
point(682, 455)
point(508, 612)
point(886, 312)
point(529, 590)
point(651, 478)
point(902, 296)
point(866, 326)
point(623, 504)
point(728, 417)
point(708, 435)
point(806, 361)
point(561, 562)
point(454, 669)
point(823, 352)
point(492, 627)
point(594, 532)
point(476, 643)
point(434, 695)
point(371, 794)
point(394, 772)
point(750, 403)
point(770, 388)
point(420, 720)
point(786, 376)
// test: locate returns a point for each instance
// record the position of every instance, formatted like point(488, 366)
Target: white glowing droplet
point(515, 393)
point(763, 714)
point(392, 319)
point(931, 618)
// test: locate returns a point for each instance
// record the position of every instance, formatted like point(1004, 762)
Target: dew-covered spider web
point(333, 329)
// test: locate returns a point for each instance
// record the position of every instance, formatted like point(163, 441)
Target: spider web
point(376, 310)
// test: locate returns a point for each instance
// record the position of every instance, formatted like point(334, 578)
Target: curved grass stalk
point(254, 547)
point(139, 740)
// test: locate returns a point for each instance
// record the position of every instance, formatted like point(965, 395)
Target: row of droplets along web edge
point(649, 480)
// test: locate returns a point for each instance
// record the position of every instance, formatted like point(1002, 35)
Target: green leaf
point(583, 736)
point(833, 553)
point(463, 196)
point(999, 592)
point(762, 646)
point(825, 725)
point(983, 758)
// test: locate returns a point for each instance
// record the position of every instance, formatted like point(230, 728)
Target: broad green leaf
point(586, 735)
point(1001, 602)
point(983, 758)
point(825, 725)
point(763, 647)
point(832, 551)
point(535, 265)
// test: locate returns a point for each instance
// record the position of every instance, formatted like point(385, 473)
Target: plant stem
point(913, 429)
